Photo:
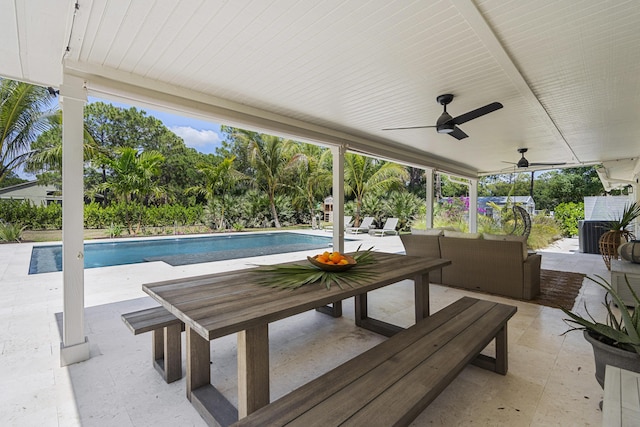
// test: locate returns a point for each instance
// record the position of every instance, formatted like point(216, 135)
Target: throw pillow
point(510, 238)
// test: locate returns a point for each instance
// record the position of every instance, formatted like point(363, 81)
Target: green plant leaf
point(293, 276)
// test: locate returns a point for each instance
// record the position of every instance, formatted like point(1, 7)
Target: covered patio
point(550, 381)
point(336, 74)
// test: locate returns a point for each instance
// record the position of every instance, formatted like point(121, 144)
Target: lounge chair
point(347, 221)
point(389, 227)
point(364, 227)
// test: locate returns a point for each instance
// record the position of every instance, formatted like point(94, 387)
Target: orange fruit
point(324, 258)
point(343, 261)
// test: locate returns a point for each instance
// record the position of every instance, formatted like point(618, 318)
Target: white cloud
point(201, 140)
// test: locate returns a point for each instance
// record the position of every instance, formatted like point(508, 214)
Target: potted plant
point(617, 341)
point(611, 239)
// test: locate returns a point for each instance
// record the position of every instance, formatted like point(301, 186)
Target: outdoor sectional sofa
point(498, 265)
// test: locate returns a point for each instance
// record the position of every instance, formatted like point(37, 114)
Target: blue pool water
point(178, 251)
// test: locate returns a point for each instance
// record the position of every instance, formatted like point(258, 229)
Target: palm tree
point(270, 157)
point(218, 180)
point(366, 174)
point(314, 179)
point(23, 112)
point(133, 178)
point(46, 152)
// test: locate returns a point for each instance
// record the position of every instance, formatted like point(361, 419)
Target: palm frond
point(293, 276)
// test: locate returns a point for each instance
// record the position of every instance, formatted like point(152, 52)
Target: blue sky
point(201, 135)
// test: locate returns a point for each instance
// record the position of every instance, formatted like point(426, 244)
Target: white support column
point(635, 197)
point(75, 346)
point(429, 175)
point(473, 205)
point(337, 153)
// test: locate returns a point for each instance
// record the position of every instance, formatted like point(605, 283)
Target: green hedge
point(34, 217)
point(42, 217)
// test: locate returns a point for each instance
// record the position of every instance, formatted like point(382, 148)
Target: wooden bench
point(166, 346)
point(393, 382)
point(621, 398)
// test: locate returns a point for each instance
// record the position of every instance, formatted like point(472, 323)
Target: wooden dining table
point(215, 305)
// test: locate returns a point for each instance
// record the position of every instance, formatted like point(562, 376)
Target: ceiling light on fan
point(522, 163)
point(448, 124)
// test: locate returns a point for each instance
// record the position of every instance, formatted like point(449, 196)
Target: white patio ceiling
point(336, 71)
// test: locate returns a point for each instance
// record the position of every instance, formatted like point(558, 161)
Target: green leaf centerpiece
point(293, 276)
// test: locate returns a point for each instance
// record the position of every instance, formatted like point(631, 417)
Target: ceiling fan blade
point(547, 164)
point(458, 133)
point(489, 108)
point(410, 127)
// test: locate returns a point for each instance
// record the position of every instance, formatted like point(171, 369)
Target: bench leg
point(499, 363)
point(501, 351)
point(167, 352)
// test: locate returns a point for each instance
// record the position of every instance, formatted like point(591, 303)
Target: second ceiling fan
point(447, 124)
point(524, 163)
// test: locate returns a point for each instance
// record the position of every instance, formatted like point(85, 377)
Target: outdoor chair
point(364, 227)
point(389, 227)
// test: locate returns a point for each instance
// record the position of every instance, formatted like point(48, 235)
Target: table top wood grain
point(219, 304)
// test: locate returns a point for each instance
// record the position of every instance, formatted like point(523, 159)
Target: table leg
point(253, 369)
point(333, 310)
point(421, 286)
point(361, 309)
point(364, 321)
point(198, 361)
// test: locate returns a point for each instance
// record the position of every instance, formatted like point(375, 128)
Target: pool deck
point(550, 380)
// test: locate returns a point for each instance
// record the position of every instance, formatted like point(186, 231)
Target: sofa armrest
point(531, 277)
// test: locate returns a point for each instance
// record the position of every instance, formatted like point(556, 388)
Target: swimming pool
point(178, 251)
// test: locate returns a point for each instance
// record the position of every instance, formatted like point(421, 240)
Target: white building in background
point(33, 191)
point(604, 208)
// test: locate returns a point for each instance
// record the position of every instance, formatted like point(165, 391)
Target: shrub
point(544, 231)
point(568, 215)
point(11, 232)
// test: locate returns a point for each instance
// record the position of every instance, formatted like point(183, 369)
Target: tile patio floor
point(550, 380)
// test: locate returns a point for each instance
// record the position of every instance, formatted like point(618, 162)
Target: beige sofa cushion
point(462, 235)
point(510, 238)
point(427, 232)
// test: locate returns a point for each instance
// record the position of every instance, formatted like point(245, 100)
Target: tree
point(566, 186)
point(270, 157)
point(23, 112)
point(132, 178)
point(46, 157)
point(218, 179)
point(366, 174)
point(112, 127)
point(314, 178)
point(515, 184)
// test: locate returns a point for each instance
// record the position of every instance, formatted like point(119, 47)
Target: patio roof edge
point(161, 96)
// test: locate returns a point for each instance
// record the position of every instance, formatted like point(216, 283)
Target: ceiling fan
point(448, 124)
point(524, 163)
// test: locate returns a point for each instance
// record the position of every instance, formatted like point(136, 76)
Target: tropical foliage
point(23, 117)
point(139, 174)
point(11, 232)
